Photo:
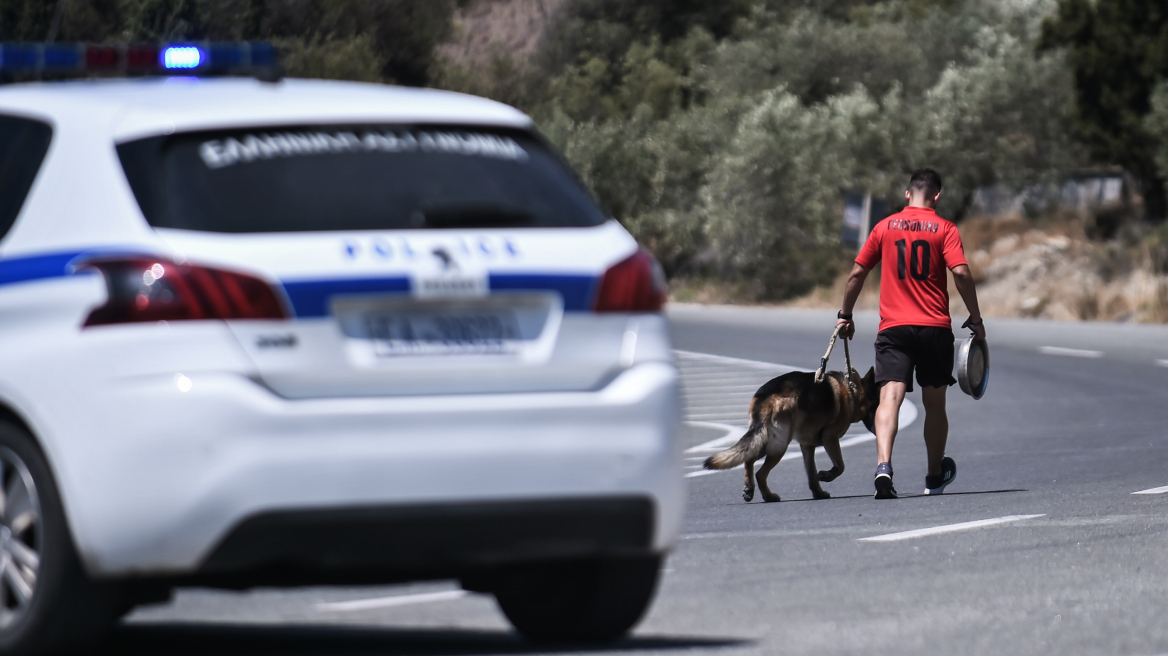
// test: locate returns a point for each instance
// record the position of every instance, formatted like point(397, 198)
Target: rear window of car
point(367, 177)
point(23, 145)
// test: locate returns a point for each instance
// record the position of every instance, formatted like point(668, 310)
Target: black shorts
point(928, 349)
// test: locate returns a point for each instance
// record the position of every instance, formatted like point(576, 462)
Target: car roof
point(134, 108)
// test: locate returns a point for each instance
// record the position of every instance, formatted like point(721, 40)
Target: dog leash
point(819, 373)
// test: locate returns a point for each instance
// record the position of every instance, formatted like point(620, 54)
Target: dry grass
point(981, 232)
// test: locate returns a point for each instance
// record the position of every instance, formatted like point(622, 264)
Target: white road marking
point(389, 602)
point(908, 414)
point(717, 392)
point(1162, 363)
point(1155, 490)
point(707, 472)
point(793, 452)
point(948, 528)
point(1069, 352)
point(729, 360)
point(733, 433)
point(717, 389)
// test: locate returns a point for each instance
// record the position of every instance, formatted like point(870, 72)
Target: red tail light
point(143, 289)
point(634, 285)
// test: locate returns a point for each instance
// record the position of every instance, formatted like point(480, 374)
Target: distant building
point(861, 212)
point(1083, 191)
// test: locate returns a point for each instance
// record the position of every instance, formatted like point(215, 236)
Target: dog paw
point(770, 498)
point(828, 476)
point(748, 495)
point(820, 494)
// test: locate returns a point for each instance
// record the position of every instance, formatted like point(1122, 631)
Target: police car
point(285, 333)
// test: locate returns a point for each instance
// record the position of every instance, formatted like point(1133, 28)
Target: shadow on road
point(958, 494)
point(869, 496)
point(181, 639)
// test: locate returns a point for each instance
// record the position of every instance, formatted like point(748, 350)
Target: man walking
point(916, 247)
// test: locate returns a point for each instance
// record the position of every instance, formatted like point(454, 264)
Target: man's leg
point(894, 368)
point(936, 426)
point(891, 397)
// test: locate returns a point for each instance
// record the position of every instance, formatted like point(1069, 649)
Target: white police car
point(307, 332)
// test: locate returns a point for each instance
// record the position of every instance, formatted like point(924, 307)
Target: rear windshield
point(372, 177)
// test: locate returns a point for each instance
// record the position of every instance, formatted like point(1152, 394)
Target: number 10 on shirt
point(919, 259)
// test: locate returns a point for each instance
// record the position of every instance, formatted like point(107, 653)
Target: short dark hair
point(925, 181)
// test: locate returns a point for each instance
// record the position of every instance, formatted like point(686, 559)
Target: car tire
point(47, 603)
point(596, 600)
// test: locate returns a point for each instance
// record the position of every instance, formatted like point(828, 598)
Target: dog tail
point(749, 446)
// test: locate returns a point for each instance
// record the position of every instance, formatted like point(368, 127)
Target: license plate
point(487, 330)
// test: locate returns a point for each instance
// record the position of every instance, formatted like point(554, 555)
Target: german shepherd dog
point(794, 406)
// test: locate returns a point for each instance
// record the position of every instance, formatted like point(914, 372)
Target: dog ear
point(870, 377)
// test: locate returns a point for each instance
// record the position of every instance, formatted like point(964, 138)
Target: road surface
point(1052, 540)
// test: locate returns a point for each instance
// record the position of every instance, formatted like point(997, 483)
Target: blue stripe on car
point(577, 290)
point(310, 298)
point(36, 267)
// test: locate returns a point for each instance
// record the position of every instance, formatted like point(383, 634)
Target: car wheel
point(578, 601)
point(46, 600)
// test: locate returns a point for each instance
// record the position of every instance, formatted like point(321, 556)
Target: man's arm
point(851, 295)
point(963, 279)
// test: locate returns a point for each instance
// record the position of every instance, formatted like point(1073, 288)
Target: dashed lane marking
point(1155, 490)
point(948, 528)
point(389, 602)
point(1070, 352)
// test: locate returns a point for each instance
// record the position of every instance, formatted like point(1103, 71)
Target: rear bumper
point(200, 480)
point(432, 541)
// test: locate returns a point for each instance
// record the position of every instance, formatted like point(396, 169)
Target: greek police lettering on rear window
point(914, 249)
point(220, 153)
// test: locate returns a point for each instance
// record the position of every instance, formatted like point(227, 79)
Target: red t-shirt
point(916, 247)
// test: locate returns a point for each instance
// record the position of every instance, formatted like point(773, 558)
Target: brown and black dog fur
point(795, 407)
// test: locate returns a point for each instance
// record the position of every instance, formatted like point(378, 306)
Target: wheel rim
point(21, 533)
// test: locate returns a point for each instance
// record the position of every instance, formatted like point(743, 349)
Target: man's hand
point(849, 330)
point(978, 327)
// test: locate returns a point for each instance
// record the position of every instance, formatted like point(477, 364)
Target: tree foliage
point(725, 134)
point(1117, 50)
point(373, 40)
point(729, 150)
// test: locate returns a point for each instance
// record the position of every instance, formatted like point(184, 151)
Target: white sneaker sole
point(930, 491)
point(884, 489)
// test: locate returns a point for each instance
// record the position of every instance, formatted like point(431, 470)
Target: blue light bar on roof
point(182, 57)
point(201, 58)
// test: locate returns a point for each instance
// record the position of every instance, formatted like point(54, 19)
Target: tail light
point(143, 289)
point(634, 285)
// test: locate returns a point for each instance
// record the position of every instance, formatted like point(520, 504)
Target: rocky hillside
point(1055, 272)
point(1048, 270)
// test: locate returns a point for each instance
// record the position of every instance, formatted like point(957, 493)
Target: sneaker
point(936, 484)
point(884, 489)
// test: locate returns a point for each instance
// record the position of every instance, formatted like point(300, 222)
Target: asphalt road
point(1074, 423)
